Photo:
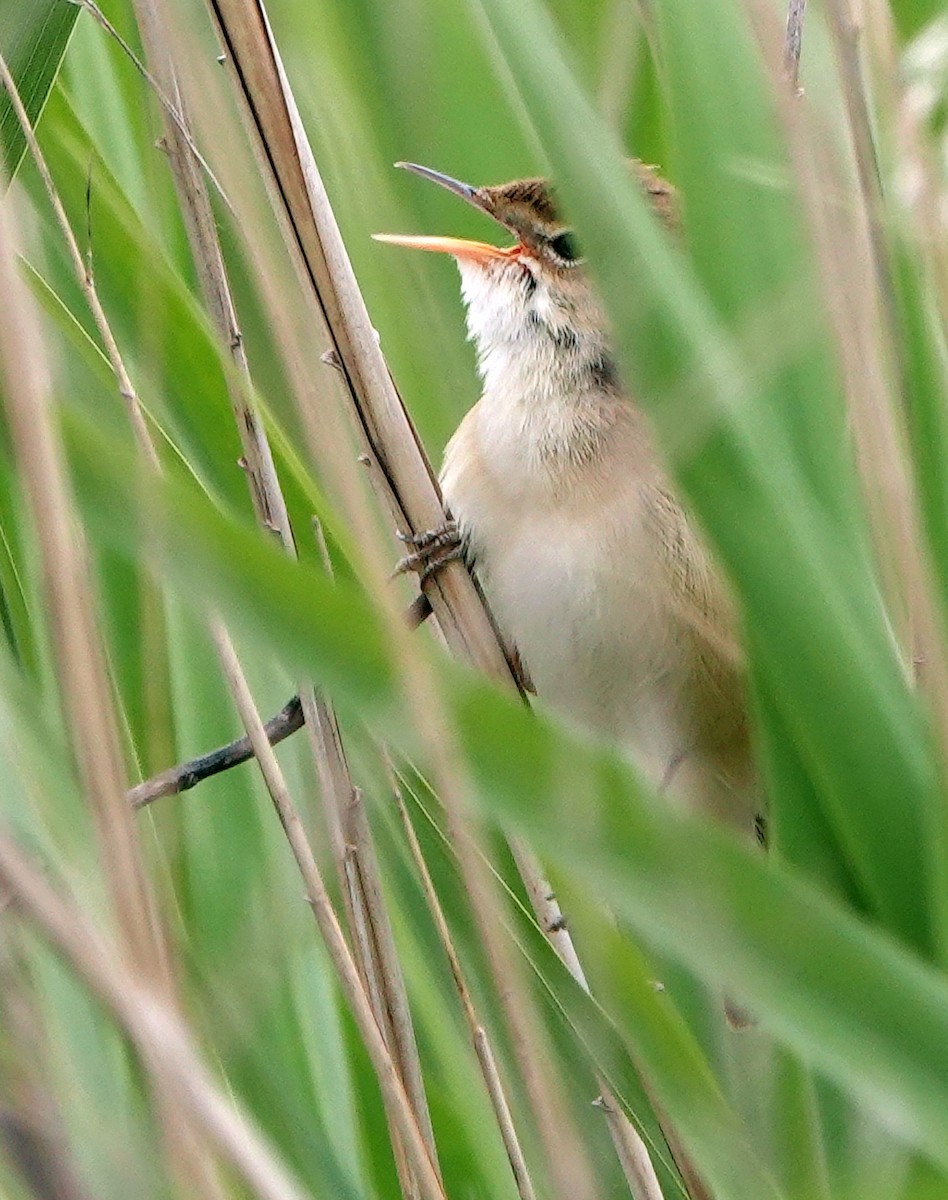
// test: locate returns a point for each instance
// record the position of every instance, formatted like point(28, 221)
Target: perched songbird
point(594, 572)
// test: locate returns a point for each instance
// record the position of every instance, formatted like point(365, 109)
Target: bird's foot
point(432, 550)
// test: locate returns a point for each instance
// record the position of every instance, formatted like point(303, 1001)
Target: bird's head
point(531, 300)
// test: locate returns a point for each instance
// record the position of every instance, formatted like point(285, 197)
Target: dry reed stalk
point(187, 169)
point(159, 1036)
point(390, 441)
point(303, 208)
point(187, 1156)
point(879, 412)
point(912, 554)
point(855, 276)
point(397, 1102)
point(853, 260)
point(373, 942)
point(355, 859)
point(80, 661)
point(859, 307)
point(362, 884)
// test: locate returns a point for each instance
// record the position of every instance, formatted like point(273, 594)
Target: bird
point(597, 576)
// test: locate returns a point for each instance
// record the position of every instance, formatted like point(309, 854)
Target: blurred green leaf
point(726, 339)
point(826, 984)
point(816, 628)
point(34, 35)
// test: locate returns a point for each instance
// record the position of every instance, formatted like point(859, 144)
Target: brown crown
point(529, 200)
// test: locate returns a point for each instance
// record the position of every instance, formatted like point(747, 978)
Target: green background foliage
point(837, 938)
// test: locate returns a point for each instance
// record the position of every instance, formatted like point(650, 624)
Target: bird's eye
point(565, 247)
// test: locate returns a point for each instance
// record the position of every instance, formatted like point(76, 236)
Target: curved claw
point(434, 549)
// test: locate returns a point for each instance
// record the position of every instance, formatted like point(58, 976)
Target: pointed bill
point(464, 190)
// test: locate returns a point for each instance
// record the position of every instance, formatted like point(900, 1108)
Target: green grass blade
point(816, 627)
point(34, 35)
point(825, 983)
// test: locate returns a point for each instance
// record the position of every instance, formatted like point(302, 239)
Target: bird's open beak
point(458, 247)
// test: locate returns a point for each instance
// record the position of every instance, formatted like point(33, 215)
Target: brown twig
point(185, 776)
point(290, 718)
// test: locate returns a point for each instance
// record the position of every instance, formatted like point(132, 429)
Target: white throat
point(549, 382)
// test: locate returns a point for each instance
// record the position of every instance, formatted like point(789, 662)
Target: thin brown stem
point(290, 718)
point(184, 776)
point(173, 113)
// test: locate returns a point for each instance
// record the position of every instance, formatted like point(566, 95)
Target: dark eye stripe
point(565, 246)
